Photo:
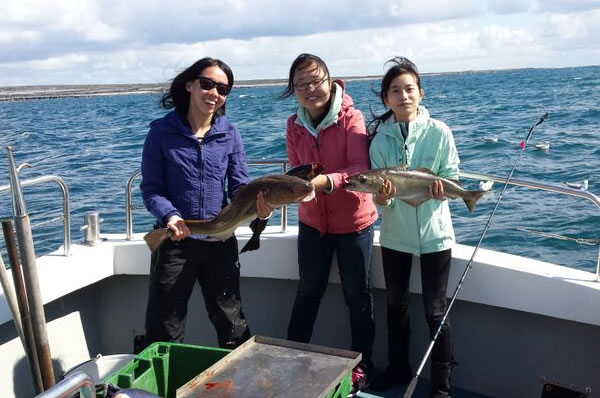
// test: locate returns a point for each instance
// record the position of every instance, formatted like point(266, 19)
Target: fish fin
point(300, 171)
point(414, 202)
point(156, 238)
point(472, 199)
point(317, 168)
point(402, 167)
point(306, 171)
point(257, 226)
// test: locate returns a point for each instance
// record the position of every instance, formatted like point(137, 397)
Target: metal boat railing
point(77, 382)
point(474, 176)
point(66, 214)
point(544, 187)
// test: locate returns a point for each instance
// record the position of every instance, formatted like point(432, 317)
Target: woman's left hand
point(321, 183)
point(264, 210)
point(436, 190)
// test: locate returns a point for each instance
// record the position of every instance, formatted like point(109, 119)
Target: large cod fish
point(412, 186)
point(306, 172)
point(278, 190)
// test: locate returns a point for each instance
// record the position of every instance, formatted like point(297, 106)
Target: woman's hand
point(436, 190)
point(262, 208)
point(179, 228)
point(322, 183)
point(386, 192)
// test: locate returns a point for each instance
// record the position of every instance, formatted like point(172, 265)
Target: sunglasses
point(207, 83)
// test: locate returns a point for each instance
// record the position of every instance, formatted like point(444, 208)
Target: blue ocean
point(95, 144)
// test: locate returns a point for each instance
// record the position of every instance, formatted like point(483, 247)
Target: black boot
point(440, 379)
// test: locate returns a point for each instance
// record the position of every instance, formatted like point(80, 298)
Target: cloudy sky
point(116, 41)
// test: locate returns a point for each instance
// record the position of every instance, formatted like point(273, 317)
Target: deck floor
point(422, 391)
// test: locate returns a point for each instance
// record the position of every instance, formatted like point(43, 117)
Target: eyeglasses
point(314, 84)
point(207, 83)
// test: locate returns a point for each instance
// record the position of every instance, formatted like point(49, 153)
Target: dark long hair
point(300, 61)
point(179, 98)
point(399, 66)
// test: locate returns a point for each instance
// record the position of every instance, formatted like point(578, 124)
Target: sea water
point(94, 144)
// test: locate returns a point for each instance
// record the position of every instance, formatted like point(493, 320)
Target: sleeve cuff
point(330, 184)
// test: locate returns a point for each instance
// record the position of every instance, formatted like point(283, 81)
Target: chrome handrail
point(475, 176)
point(66, 208)
point(129, 205)
point(544, 187)
point(78, 381)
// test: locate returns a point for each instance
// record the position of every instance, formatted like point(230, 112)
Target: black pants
point(175, 268)
point(434, 282)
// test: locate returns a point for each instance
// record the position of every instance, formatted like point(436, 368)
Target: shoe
point(391, 378)
point(359, 379)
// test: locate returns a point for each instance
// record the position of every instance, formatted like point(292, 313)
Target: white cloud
point(111, 41)
point(54, 63)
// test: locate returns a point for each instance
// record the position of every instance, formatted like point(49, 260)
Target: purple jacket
point(182, 176)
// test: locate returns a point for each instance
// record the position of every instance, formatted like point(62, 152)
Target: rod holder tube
point(18, 281)
point(91, 228)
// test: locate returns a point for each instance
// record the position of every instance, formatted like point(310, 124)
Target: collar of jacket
point(179, 125)
point(391, 127)
point(331, 118)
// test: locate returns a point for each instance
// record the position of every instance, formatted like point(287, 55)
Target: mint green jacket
point(429, 143)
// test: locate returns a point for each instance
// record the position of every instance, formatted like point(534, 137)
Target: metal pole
point(9, 293)
point(17, 273)
point(32, 285)
point(129, 206)
point(78, 381)
point(284, 208)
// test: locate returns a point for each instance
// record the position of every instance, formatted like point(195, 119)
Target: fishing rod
point(413, 383)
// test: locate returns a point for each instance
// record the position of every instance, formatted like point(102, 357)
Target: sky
point(114, 41)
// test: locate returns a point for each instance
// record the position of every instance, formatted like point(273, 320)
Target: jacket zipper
point(404, 130)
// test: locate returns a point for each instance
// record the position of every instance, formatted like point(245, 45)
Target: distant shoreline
point(22, 93)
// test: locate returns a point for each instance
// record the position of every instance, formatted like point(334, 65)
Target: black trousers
point(434, 282)
point(175, 268)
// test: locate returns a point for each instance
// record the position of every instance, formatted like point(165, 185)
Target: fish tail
point(155, 238)
point(472, 199)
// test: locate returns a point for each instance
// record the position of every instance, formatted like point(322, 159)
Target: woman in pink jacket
point(329, 130)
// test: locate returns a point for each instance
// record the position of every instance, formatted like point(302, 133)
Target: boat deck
point(422, 391)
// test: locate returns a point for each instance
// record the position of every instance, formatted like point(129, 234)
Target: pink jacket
point(343, 150)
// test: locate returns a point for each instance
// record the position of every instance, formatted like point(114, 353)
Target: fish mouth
point(311, 195)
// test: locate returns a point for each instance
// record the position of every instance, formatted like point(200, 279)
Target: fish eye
point(362, 179)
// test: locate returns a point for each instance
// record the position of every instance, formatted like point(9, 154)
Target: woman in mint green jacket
point(406, 135)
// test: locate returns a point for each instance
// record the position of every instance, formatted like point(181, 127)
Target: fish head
point(367, 181)
point(285, 189)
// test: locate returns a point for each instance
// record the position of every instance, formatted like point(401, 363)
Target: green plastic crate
point(164, 367)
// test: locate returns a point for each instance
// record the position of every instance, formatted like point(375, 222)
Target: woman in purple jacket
point(193, 161)
point(328, 129)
